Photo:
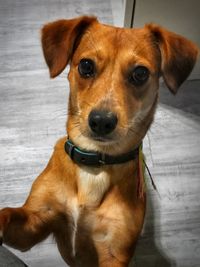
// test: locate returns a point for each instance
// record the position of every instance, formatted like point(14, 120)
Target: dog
point(91, 195)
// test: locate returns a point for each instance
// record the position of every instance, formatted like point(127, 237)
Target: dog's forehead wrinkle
point(126, 48)
point(138, 46)
point(97, 37)
point(91, 41)
point(120, 43)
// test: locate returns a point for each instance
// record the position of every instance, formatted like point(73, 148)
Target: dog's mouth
point(101, 139)
point(116, 141)
point(101, 129)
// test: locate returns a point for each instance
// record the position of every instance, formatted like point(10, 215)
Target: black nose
point(102, 122)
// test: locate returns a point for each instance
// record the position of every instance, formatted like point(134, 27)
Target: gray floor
point(32, 118)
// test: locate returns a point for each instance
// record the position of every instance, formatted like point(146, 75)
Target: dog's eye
point(139, 75)
point(86, 68)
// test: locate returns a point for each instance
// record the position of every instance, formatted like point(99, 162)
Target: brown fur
point(95, 214)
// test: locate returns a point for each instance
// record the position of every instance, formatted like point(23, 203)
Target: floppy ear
point(59, 39)
point(178, 56)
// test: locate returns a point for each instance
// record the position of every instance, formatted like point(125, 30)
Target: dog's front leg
point(43, 211)
point(22, 227)
point(25, 226)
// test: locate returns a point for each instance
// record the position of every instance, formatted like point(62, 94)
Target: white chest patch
point(75, 216)
point(91, 189)
point(92, 185)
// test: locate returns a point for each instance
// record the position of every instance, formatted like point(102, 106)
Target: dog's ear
point(178, 56)
point(59, 39)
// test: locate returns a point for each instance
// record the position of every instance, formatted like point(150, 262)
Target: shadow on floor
point(149, 251)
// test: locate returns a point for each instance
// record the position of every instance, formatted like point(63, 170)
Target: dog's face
point(114, 84)
point(114, 77)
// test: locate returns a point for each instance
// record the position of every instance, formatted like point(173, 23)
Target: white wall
point(181, 16)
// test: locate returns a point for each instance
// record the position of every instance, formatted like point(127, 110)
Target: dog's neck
point(94, 182)
point(97, 159)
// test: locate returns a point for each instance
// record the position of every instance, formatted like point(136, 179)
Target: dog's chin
point(103, 141)
point(113, 144)
point(100, 142)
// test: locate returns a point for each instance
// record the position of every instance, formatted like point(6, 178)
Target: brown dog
point(89, 196)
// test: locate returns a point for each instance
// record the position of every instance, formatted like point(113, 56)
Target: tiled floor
point(172, 231)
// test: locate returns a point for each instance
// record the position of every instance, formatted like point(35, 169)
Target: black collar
point(92, 158)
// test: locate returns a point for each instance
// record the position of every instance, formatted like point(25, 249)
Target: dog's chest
point(92, 187)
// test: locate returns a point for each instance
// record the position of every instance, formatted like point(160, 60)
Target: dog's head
point(114, 77)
